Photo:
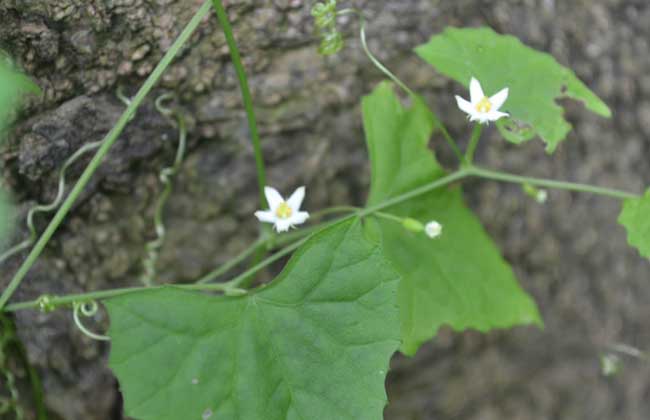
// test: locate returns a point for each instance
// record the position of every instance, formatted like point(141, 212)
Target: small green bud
point(610, 364)
point(45, 303)
point(235, 292)
point(412, 225)
point(539, 195)
point(331, 44)
point(324, 14)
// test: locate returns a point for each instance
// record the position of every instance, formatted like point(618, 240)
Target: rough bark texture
point(570, 254)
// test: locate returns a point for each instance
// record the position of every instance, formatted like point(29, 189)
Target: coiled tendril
point(166, 175)
point(48, 208)
point(87, 309)
point(325, 18)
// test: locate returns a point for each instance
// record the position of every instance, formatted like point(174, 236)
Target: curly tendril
point(325, 18)
point(48, 208)
point(54, 205)
point(87, 309)
point(166, 176)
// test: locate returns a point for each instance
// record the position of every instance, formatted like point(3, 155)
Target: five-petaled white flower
point(283, 214)
point(433, 229)
point(481, 108)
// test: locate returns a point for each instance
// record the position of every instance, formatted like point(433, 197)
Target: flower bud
point(538, 194)
point(433, 229)
point(412, 225)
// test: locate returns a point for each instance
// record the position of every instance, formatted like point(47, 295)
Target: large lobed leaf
point(314, 344)
point(536, 80)
point(459, 279)
point(635, 217)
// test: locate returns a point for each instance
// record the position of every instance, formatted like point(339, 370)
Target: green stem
point(440, 182)
point(275, 240)
point(108, 141)
point(450, 140)
point(334, 210)
point(248, 274)
point(303, 233)
point(389, 216)
point(246, 96)
point(473, 143)
point(105, 294)
point(364, 44)
point(214, 274)
point(548, 183)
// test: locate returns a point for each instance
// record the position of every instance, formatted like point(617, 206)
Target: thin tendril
point(366, 49)
point(47, 208)
point(124, 99)
point(102, 151)
point(166, 176)
point(88, 310)
point(362, 35)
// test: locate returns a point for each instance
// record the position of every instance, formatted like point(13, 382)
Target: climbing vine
point(361, 283)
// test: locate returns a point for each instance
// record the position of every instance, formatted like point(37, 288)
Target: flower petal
point(499, 98)
point(295, 201)
point(282, 225)
point(465, 106)
point(273, 197)
point(475, 91)
point(495, 115)
point(299, 218)
point(265, 216)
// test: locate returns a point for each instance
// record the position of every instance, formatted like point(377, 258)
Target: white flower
point(541, 196)
point(433, 229)
point(283, 214)
point(481, 108)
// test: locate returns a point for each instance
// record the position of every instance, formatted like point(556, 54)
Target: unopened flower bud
point(433, 229)
point(538, 194)
point(412, 225)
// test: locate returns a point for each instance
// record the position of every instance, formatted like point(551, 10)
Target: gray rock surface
point(569, 253)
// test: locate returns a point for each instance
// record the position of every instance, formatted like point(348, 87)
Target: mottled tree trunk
point(569, 253)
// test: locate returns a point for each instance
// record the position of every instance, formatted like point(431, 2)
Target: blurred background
point(569, 253)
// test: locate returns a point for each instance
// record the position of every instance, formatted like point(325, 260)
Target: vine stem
point(108, 141)
point(270, 241)
point(214, 274)
point(364, 44)
point(547, 183)
point(246, 96)
point(232, 285)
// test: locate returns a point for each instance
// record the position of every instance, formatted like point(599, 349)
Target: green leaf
point(14, 87)
point(458, 279)
point(635, 218)
point(314, 344)
point(536, 80)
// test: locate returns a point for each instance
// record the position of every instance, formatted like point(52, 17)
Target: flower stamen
point(284, 211)
point(484, 105)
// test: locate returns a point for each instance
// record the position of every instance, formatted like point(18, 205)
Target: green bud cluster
point(325, 18)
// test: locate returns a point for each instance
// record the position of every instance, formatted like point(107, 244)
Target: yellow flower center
point(283, 211)
point(484, 105)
